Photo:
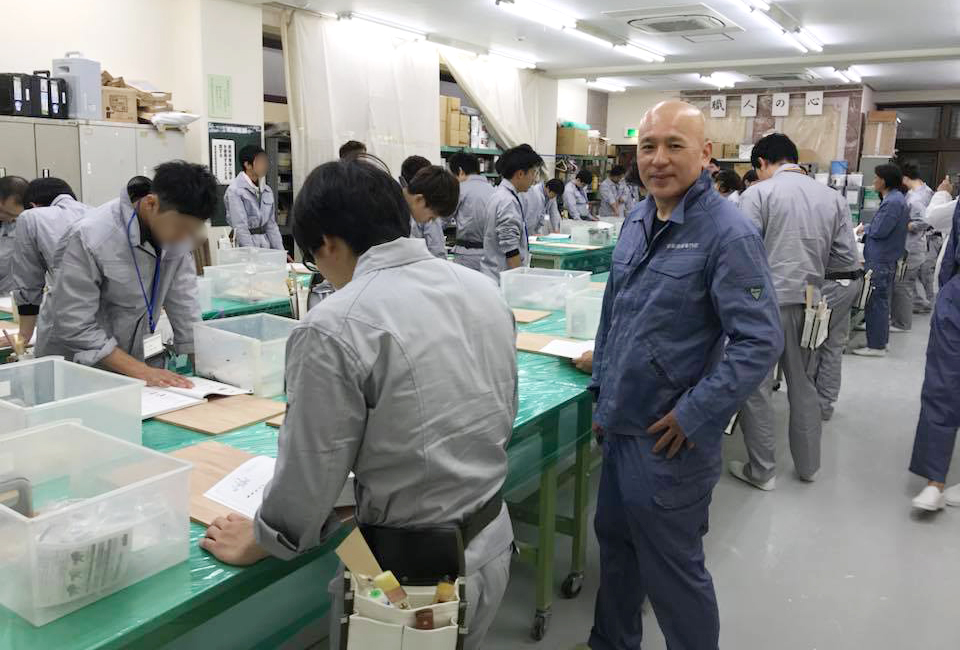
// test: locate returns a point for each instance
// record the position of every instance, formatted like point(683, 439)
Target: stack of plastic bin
point(530, 288)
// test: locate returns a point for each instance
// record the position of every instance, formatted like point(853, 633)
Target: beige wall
point(948, 95)
point(625, 110)
point(572, 100)
point(274, 112)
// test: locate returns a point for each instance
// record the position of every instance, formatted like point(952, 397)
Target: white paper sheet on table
point(6, 304)
point(567, 349)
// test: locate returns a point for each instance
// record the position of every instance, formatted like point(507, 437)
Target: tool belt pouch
point(866, 290)
point(816, 326)
point(901, 269)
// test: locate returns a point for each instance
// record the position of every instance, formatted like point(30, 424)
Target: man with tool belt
point(407, 376)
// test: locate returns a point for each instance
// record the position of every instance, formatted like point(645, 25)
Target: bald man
point(689, 272)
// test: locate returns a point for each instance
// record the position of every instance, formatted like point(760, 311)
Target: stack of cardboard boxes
point(880, 134)
point(572, 141)
point(132, 101)
point(454, 125)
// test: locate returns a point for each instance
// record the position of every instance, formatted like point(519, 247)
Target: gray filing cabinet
point(18, 154)
point(95, 158)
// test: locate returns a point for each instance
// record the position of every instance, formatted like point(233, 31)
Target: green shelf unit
point(479, 152)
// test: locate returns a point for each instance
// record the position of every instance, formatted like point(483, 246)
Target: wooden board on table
point(538, 343)
point(598, 285)
point(529, 315)
point(211, 462)
point(277, 421)
point(220, 415)
point(579, 247)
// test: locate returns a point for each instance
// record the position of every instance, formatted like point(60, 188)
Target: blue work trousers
point(939, 398)
point(878, 309)
point(650, 525)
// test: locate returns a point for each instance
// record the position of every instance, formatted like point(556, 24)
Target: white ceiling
point(883, 32)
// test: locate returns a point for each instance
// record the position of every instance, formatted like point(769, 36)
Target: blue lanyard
point(523, 219)
point(152, 301)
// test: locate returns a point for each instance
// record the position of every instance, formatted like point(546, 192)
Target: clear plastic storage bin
point(83, 515)
point(591, 233)
point(583, 313)
point(248, 282)
point(531, 288)
point(253, 255)
point(615, 222)
point(49, 389)
point(205, 293)
point(246, 351)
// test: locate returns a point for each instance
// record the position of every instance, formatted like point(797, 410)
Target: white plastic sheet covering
point(352, 80)
point(507, 97)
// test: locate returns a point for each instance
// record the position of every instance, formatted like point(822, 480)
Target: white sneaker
point(738, 469)
point(860, 328)
point(870, 352)
point(931, 499)
point(952, 495)
point(897, 330)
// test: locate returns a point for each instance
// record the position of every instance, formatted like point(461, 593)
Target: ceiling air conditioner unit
point(784, 77)
point(678, 20)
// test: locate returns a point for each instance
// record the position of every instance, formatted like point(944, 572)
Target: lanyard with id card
point(153, 342)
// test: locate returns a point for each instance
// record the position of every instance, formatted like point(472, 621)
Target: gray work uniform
point(540, 210)
point(371, 375)
point(432, 234)
point(828, 358)
point(39, 232)
point(97, 298)
point(905, 290)
point(505, 231)
point(471, 218)
point(806, 227)
point(8, 231)
point(610, 193)
point(576, 203)
point(252, 213)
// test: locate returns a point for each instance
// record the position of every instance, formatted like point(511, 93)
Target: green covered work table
point(228, 308)
point(204, 603)
point(551, 256)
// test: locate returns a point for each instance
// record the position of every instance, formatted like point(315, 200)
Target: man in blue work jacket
point(689, 273)
point(939, 406)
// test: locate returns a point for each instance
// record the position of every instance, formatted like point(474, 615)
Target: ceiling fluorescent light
point(513, 61)
point(719, 80)
point(607, 86)
point(791, 38)
point(852, 75)
point(640, 53)
point(400, 30)
point(538, 13)
point(750, 5)
point(589, 37)
point(842, 75)
point(809, 40)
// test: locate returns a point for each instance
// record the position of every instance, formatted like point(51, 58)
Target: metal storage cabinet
point(155, 147)
point(17, 152)
point(58, 152)
point(108, 159)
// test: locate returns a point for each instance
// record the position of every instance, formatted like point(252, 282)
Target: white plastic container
point(855, 180)
point(591, 233)
point(583, 313)
point(205, 293)
point(616, 222)
point(249, 282)
point(91, 516)
point(822, 177)
point(83, 81)
point(49, 389)
point(253, 255)
point(530, 288)
point(246, 351)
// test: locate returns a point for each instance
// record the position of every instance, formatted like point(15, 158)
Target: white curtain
point(508, 97)
point(350, 80)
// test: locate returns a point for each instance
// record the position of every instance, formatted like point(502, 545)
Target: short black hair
point(185, 187)
point(715, 162)
point(728, 180)
point(774, 148)
point(13, 186)
point(617, 170)
point(585, 175)
point(138, 187)
point(440, 189)
point(464, 162)
point(910, 171)
point(555, 185)
point(42, 191)
point(518, 159)
point(891, 175)
point(750, 177)
point(410, 167)
point(352, 148)
point(249, 153)
point(351, 199)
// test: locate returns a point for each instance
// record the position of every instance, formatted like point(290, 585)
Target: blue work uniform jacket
point(667, 309)
point(950, 266)
point(252, 208)
point(885, 238)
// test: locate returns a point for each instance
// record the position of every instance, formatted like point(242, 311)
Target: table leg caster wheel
point(572, 585)
point(541, 622)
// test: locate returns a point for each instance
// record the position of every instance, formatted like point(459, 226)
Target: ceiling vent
point(784, 77)
point(678, 20)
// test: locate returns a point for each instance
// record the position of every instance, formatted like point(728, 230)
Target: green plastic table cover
point(227, 308)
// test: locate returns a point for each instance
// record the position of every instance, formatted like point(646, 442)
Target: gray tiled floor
point(838, 565)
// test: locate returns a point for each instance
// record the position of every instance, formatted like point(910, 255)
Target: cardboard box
point(464, 138)
point(731, 151)
point(880, 134)
point(572, 142)
point(443, 107)
point(119, 104)
point(448, 104)
point(464, 122)
point(882, 116)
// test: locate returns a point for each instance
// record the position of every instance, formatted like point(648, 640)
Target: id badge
point(152, 345)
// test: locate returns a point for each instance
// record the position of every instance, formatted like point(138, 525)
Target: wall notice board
point(225, 142)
